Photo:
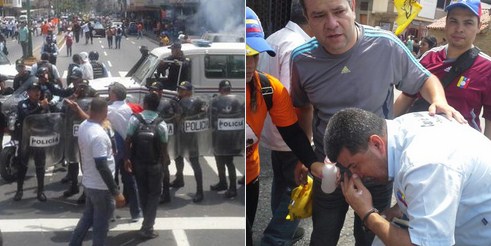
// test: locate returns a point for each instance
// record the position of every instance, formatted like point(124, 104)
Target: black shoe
point(147, 234)
point(230, 193)
point(41, 197)
point(18, 195)
point(198, 197)
point(177, 183)
point(81, 199)
point(71, 191)
point(299, 233)
point(65, 179)
point(218, 186)
point(241, 180)
point(164, 198)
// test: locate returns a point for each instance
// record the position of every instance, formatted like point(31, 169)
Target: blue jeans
point(329, 212)
point(130, 190)
point(99, 207)
point(279, 230)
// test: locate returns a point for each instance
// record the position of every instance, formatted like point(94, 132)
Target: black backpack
point(98, 69)
point(145, 142)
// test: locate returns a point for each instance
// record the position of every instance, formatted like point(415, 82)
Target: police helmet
point(76, 73)
point(94, 55)
point(41, 71)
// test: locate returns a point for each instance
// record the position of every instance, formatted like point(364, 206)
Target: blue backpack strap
point(266, 90)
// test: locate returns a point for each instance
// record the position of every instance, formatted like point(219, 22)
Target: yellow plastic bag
point(301, 201)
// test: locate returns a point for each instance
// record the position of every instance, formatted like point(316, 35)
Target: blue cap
point(472, 5)
point(255, 42)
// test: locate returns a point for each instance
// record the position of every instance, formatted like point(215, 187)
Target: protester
point(98, 180)
point(280, 109)
point(145, 155)
point(348, 65)
point(295, 33)
point(468, 88)
point(443, 197)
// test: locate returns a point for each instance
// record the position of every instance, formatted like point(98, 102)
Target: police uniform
point(24, 109)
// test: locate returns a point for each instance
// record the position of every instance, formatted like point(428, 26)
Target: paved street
point(215, 221)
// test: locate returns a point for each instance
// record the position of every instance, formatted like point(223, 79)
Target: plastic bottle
point(329, 173)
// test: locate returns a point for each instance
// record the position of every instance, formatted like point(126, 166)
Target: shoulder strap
point(462, 63)
point(266, 90)
point(140, 118)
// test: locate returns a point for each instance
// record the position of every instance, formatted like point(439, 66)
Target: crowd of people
point(330, 85)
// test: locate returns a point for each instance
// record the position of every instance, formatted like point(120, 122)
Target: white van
point(210, 63)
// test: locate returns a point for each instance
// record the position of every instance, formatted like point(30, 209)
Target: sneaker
point(147, 234)
point(218, 186)
point(71, 191)
point(299, 233)
point(18, 195)
point(177, 183)
point(135, 219)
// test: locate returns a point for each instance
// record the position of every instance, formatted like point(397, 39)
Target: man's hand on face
point(356, 194)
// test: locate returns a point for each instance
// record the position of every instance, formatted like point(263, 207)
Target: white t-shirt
point(442, 179)
point(94, 142)
point(87, 71)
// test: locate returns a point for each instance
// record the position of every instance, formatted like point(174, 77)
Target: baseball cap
point(85, 56)
point(224, 84)
point(255, 42)
point(175, 45)
point(34, 85)
point(185, 85)
point(472, 5)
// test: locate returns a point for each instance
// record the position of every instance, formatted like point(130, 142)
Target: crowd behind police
point(376, 156)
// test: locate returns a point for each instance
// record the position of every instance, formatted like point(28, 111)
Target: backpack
point(97, 69)
point(145, 141)
point(49, 48)
point(119, 32)
point(266, 90)
point(69, 39)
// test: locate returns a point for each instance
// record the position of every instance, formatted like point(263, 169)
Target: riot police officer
point(188, 142)
point(169, 111)
point(99, 69)
point(227, 120)
point(177, 65)
point(31, 105)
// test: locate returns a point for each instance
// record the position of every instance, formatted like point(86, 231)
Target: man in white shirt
point(440, 170)
point(98, 170)
point(295, 33)
point(86, 67)
point(119, 113)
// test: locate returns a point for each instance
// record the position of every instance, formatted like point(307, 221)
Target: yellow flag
point(407, 10)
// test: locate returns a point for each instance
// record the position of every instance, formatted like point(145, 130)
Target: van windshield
point(146, 69)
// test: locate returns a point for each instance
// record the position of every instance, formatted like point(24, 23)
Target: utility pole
point(29, 25)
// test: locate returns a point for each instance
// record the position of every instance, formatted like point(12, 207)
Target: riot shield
point(72, 122)
point(44, 131)
point(194, 135)
point(169, 111)
point(227, 124)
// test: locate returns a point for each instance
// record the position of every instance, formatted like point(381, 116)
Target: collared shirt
point(441, 172)
point(283, 43)
point(119, 114)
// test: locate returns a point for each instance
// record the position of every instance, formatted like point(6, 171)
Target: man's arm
point(402, 104)
point(305, 116)
point(432, 91)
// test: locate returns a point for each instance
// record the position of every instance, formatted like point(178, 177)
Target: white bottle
point(329, 174)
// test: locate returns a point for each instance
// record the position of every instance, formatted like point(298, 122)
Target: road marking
point(122, 73)
point(211, 159)
point(180, 237)
point(105, 53)
point(109, 62)
point(161, 224)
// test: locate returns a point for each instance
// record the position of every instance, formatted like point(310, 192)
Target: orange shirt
point(282, 114)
